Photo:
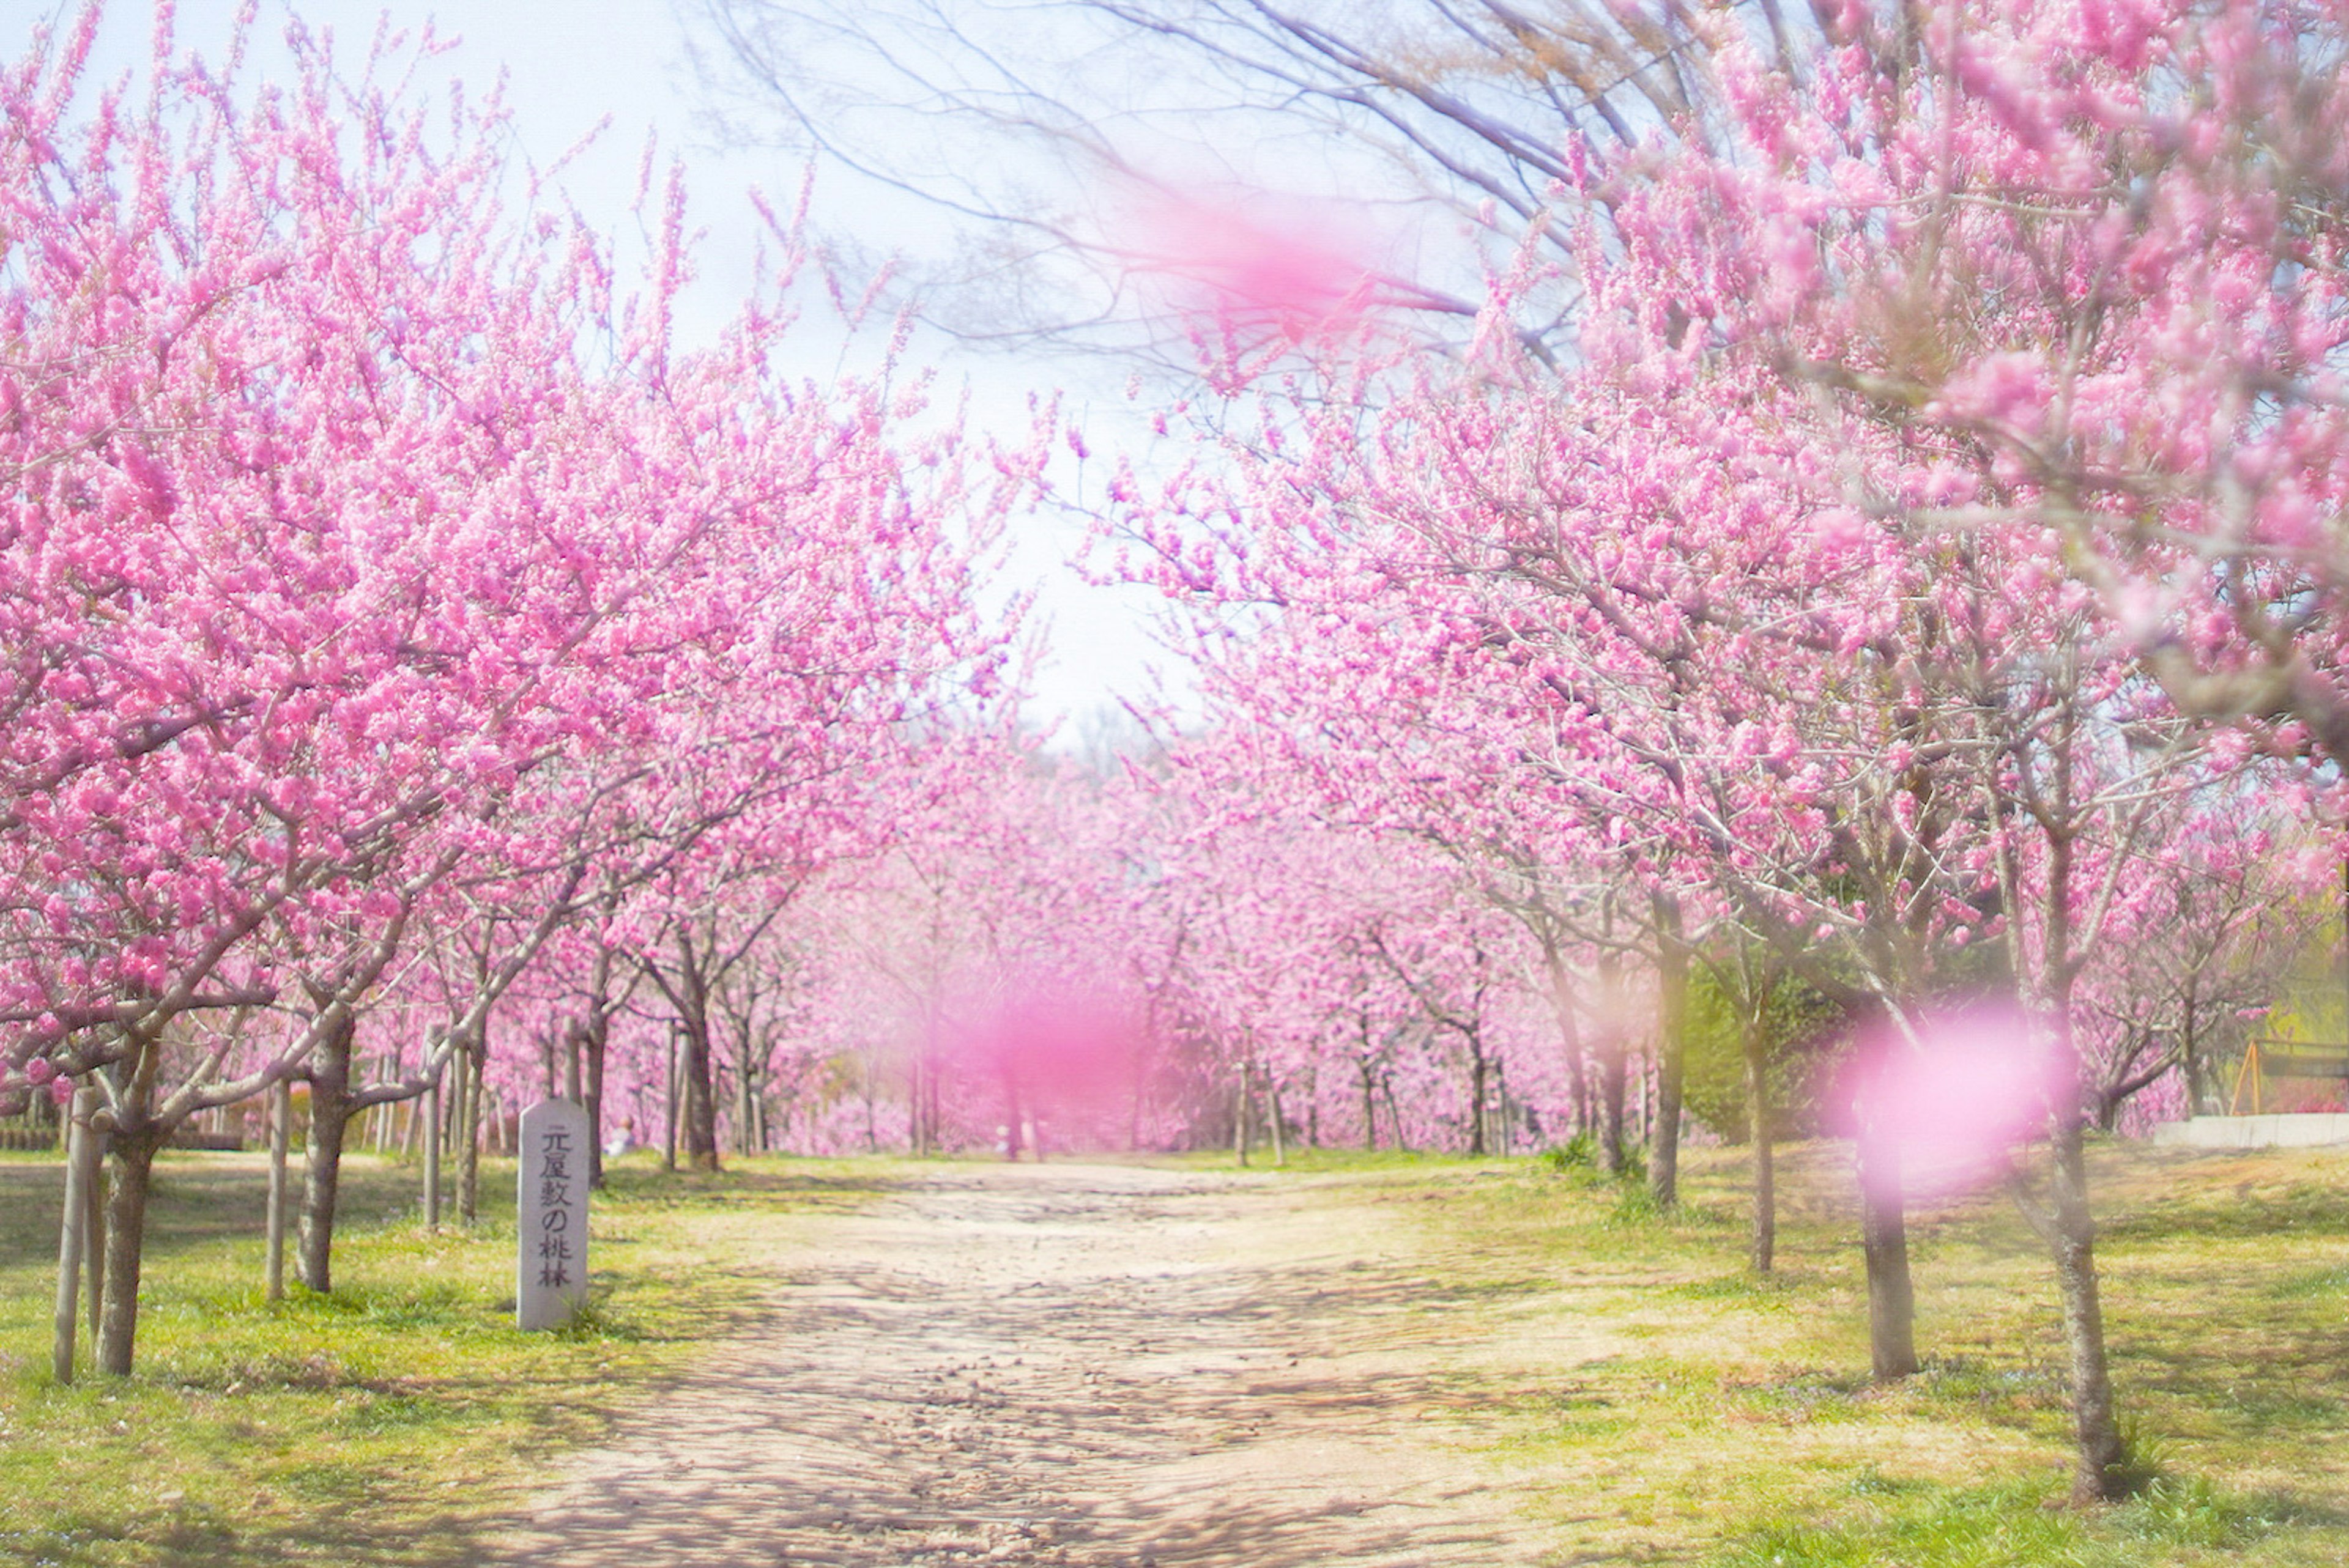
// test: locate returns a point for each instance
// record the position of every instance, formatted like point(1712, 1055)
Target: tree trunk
point(432, 1133)
point(592, 1039)
point(933, 1107)
point(701, 1122)
point(93, 1245)
point(746, 1091)
point(412, 1140)
point(1370, 1109)
point(132, 1154)
point(74, 1230)
point(2101, 1471)
point(669, 1109)
point(1504, 1132)
point(1613, 1084)
point(1279, 1133)
point(695, 1101)
point(1578, 1066)
point(1766, 1182)
point(281, 1138)
point(1240, 1120)
point(1884, 1243)
point(1643, 1102)
point(1395, 1115)
point(917, 1106)
point(330, 1083)
point(468, 1133)
point(1672, 985)
point(1477, 1068)
point(2190, 1048)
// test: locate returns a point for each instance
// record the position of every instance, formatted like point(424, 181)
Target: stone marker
point(550, 1277)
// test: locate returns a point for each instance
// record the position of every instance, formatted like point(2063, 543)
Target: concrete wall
point(2300, 1130)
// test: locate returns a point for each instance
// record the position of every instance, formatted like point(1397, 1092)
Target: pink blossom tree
point(375, 560)
point(1843, 726)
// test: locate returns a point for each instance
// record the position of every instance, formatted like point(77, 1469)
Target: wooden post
point(281, 1138)
point(73, 1232)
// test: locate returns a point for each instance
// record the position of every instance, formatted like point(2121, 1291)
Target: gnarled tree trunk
point(131, 1155)
point(322, 1174)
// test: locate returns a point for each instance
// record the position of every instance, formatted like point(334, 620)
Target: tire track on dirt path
point(1095, 1366)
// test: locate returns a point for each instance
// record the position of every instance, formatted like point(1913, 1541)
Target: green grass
point(2006, 1526)
point(1666, 1405)
point(379, 1423)
point(1670, 1405)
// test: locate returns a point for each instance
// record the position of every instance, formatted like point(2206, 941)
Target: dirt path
point(1090, 1365)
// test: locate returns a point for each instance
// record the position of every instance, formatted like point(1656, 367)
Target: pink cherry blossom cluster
point(1923, 571)
point(387, 592)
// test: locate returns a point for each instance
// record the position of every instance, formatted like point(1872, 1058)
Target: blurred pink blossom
point(1298, 272)
point(1959, 1100)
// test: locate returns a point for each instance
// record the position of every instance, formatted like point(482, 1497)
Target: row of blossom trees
point(1908, 587)
point(390, 595)
point(1949, 434)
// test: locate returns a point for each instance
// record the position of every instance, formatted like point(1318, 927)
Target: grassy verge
point(1661, 1404)
point(382, 1424)
point(1668, 1406)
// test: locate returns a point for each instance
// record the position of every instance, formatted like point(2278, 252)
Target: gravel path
point(1090, 1365)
